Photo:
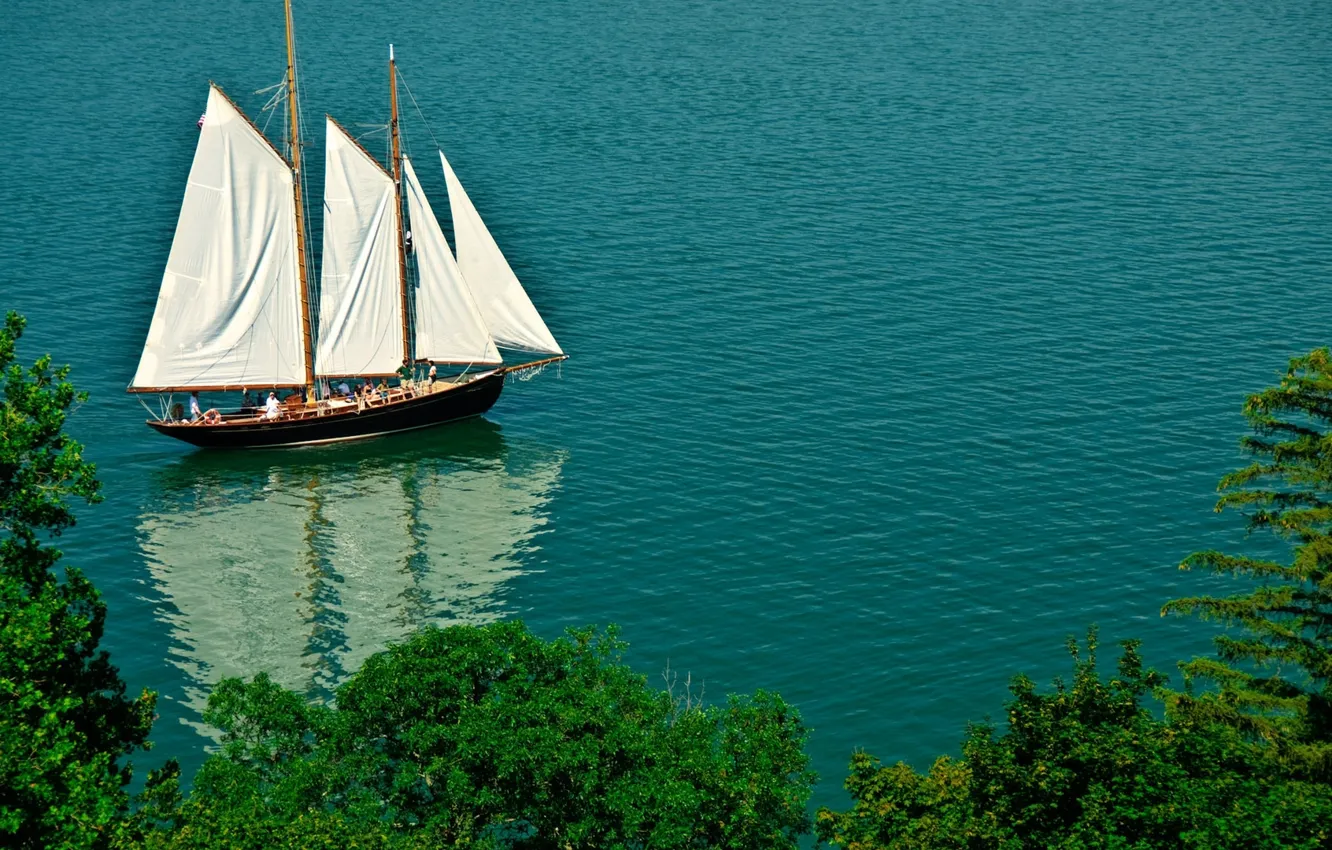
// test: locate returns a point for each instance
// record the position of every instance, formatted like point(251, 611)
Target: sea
point(907, 338)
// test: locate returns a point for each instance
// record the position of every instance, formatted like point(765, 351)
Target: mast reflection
point(302, 563)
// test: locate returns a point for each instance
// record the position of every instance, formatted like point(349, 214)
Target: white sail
point(508, 312)
point(449, 325)
point(229, 310)
point(360, 309)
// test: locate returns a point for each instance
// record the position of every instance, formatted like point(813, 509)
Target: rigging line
point(377, 129)
point(279, 97)
point(269, 119)
point(418, 110)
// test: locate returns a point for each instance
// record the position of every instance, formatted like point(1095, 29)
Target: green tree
point(65, 722)
point(1273, 678)
point(491, 735)
point(1087, 765)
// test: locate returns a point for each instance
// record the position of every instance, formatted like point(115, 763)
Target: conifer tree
point(65, 722)
point(1274, 675)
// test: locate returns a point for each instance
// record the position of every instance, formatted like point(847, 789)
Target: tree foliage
point(493, 736)
point(1087, 765)
point(65, 722)
point(1273, 678)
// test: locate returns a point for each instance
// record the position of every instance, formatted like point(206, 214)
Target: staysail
point(360, 311)
point(229, 310)
point(449, 326)
point(509, 314)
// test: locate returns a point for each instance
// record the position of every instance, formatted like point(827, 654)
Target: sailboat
point(234, 312)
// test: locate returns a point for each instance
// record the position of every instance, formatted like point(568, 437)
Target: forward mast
point(294, 140)
point(397, 193)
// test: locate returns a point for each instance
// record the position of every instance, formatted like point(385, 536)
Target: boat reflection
point(302, 563)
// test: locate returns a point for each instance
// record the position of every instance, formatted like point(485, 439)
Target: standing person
point(271, 408)
point(405, 371)
point(432, 375)
point(195, 413)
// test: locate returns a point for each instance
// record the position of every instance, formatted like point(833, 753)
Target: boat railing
point(325, 406)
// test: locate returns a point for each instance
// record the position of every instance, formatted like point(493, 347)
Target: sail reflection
point(304, 563)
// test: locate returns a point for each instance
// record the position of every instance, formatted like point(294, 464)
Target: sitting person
point(382, 389)
point(271, 408)
point(345, 391)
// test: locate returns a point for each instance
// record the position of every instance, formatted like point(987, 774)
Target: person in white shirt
point(432, 374)
point(271, 408)
point(195, 413)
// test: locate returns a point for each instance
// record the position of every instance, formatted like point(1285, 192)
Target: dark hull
point(470, 399)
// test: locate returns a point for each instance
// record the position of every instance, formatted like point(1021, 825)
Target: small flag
point(199, 124)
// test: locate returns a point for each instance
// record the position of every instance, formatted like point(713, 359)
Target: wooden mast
point(397, 195)
point(294, 138)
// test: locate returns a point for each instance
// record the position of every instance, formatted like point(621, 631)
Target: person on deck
point(405, 371)
point(271, 409)
point(432, 374)
point(345, 391)
point(195, 413)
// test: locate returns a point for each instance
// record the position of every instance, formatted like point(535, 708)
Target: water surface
point(908, 337)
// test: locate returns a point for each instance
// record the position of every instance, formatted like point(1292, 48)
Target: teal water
point(908, 337)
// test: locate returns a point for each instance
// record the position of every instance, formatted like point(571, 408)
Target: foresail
point(509, 314)
point(449, 326)
point(229, 310)
point(360, 309)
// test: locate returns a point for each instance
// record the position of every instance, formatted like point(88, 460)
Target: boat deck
point(289, 411)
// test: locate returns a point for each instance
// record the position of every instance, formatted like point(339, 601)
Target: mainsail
point(229, 310)
point(449, 326)
point(508, 312)
point(360, 312)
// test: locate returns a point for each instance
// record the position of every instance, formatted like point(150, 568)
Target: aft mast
point(397, 190)
point(294, 138)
